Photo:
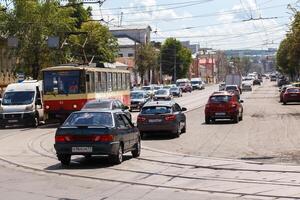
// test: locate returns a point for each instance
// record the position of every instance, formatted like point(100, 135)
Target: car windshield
point(157, 88)
point(62, 82)
point(156, 110)
point(18, 98)
point(89, 119)
point(196, 82)
point(136, 95)
point(161, 92)
point(174, 89)
point(220, 99)
point(100, 104)
point(146, 88)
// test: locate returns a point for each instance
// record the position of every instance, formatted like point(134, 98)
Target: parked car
point(94, 132)
point(223, 106)
point(234, 89)
point(163, 94)
point(282, 91)
point(176, 92)
point(111, 104)
point(162, 116)
point(291, 94)
point(256, 82)
point(138, 98)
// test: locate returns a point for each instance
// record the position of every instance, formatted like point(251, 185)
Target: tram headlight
point(74, 106)
point(47, 107)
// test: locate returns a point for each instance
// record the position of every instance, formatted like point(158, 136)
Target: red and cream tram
point(68, 88)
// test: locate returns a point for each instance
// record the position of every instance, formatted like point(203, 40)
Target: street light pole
point(160, 68)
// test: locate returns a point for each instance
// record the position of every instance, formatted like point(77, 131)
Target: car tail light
point(104, 138)
point(233, 105)
point(60, 138)
point(141, 119)
point(170, 117)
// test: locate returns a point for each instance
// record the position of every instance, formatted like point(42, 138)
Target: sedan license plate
point(220, 114)
point(82, 149)
point(154, 120)
point(294, 95)
point(12, 121)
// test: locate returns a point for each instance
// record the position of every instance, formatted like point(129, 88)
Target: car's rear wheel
point(2, 126)
point(207, 120)
point(236, 119)
point(143, 134)
point(137, 151)
point(118, 158)
point(183, 130)
point(241, 117)
point(64, 159)
point(284, 102)
point(178, 131)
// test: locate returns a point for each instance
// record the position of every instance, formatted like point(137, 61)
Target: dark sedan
point(159, 116)
point(92, 132)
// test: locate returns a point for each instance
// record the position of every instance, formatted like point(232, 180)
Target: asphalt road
point(208, 162)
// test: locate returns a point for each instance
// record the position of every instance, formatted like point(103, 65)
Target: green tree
point(173, 53)
point(31, 22)
point(97, 44)
point(146, 59)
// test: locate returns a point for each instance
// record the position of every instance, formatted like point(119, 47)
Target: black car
point(93, 132)
point(162, 116)
point(111, 104)
point(256, 82)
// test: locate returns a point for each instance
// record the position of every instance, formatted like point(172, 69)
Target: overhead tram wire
point(201, 16)
point(162, 9)
point(166, 4)
point(211, 25)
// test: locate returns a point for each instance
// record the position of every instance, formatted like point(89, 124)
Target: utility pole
point(160, 68)
point(175, 65)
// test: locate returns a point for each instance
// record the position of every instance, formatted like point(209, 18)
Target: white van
point(22, 104)
point(197, 84)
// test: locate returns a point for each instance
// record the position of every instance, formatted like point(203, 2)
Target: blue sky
point(220, 24)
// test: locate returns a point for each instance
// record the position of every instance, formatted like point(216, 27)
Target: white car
point(163, 94)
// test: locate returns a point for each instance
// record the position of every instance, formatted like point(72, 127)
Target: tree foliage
point(146, 59)
point(32, 22)
point(288, 60)
point(173, 53)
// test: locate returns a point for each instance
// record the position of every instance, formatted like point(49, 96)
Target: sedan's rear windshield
point(231, 88)
point(293, 90)
point(220, 99)
point(156, 110)
point(89, 119)
point(100, 105)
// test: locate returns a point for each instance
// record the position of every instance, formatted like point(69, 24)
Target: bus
point(67, 88)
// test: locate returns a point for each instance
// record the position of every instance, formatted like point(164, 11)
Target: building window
point(130, 55)
point(120, 55)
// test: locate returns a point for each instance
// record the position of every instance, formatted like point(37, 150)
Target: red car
point(291, 95)
point(223, 106)
point(282, 91)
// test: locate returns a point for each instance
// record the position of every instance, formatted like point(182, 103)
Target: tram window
point(119, 81)
point(109, 81)
point(90, 80)
point(114, 82)
point(103, 82)
point(127, 81)
point(123, 81)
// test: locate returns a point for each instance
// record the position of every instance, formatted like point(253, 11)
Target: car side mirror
point(241, 101)
point(183, 109)
point(38, 102)
point(125, 107)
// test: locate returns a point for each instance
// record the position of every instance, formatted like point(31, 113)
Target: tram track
point(40, 138)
